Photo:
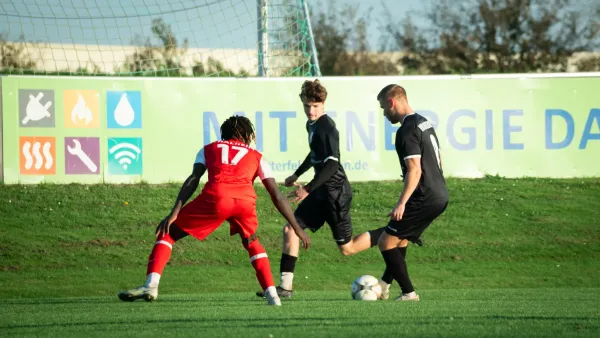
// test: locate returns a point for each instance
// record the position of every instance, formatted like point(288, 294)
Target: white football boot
point(409, 297)
point(142, 292)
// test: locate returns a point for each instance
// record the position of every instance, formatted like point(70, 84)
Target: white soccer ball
point(366, 287)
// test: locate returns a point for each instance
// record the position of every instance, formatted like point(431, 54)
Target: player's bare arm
point(187, 190)
point(284, 208)
point(413, 175)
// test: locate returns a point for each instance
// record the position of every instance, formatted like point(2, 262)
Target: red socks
point(160, 254)
point(260, 262)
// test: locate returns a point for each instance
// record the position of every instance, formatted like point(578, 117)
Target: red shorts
point(206, 213)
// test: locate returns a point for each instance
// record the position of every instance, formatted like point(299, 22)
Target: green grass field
point(508, 258)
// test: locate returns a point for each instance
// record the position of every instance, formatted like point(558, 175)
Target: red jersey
point(232, 168)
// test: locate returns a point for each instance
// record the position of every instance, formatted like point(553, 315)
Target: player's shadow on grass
point(166, 300)
point(321, 301)
point(111, 300)
point(56, 301)
point(217, 323)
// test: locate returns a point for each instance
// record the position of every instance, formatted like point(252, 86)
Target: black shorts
point(331, 205)
point(415, 220)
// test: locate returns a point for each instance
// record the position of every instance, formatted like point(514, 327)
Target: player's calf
point(160, 255)
point(291, 241)
point(360, 243)
point(347, 249)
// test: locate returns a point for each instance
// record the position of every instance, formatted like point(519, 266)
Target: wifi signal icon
point(125, 156)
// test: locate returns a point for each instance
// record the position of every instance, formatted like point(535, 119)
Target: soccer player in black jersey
point(327, 197)
point(424, 196)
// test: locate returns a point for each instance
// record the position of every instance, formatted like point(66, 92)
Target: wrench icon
point(77, 151)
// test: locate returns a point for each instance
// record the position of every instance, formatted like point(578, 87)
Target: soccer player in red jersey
point(228, 195)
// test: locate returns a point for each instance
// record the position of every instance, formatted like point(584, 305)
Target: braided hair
point(238, 128)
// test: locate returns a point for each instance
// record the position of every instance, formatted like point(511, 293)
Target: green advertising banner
point(122, 130)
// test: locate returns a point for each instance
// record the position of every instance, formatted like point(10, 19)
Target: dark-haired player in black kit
point(424, 197)
point(326, 198)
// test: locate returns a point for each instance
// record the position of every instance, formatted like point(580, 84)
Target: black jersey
point(324, 141)
point(416, 137)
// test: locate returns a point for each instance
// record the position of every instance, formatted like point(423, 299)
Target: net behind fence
point(155, 38)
